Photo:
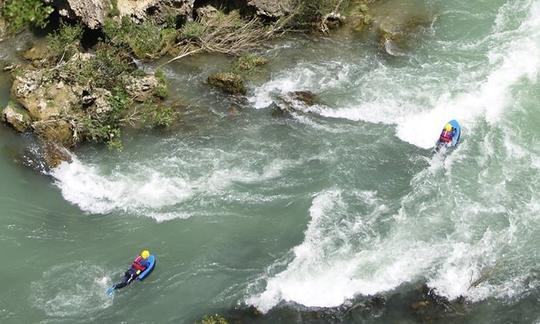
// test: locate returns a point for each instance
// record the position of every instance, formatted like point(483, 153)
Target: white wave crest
point(85, 186)
point(150, 191)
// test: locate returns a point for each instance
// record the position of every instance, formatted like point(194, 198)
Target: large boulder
point(54, 131)
point(41, 98)
point(141, 88)
point(398, 26)
point(91, 13)
point(228, 81)
point(53, 155)
point(156, 10)
point(273, 9)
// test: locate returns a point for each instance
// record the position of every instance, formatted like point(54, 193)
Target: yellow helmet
point(145, 254)
point(448, 127)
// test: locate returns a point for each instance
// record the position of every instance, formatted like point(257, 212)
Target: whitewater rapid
point(461, 241)
point(466, 220)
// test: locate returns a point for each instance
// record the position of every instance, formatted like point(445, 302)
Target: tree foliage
point(20, 14)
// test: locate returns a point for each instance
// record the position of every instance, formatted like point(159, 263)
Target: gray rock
point(91, 13)
point(271, 8)
point(155, 10)
point(141, 88)
point(299, 101)
point(206, 12)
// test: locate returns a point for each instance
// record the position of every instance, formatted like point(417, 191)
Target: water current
point(316, 211)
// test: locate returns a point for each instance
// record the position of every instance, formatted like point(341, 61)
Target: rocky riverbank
point(82, 83)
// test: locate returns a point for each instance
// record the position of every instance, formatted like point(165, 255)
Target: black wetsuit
point(129, 276)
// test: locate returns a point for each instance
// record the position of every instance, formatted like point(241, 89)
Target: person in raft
point(139, 265)
point(447, 134)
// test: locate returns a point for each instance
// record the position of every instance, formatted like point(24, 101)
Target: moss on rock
point(213, 319)
point(249, 62)
point(229, 82)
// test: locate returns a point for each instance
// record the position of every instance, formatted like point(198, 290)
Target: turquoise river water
point(315, 212)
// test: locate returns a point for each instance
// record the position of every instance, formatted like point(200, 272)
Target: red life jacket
point(137, 265)
point(446, 137)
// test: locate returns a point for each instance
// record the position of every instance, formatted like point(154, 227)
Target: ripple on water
point(72, 290)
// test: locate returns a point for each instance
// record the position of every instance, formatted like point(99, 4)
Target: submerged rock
point(396, 26)
point(228, 81)
point(54, 154)
point(37, 54)
point(233, 110)
point(431, 306)
point(295, 101)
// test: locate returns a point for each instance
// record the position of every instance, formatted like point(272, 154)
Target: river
point(315, 211)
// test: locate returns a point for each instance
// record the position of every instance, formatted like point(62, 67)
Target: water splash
point(69, 290)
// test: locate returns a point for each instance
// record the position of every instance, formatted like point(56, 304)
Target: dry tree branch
point(228, 34)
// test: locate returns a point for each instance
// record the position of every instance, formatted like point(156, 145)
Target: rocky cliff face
point(271, 8)
point(62, 110)
point(156, 10)
point(92, 13)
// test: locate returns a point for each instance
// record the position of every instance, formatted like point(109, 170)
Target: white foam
point(317, 78)
point(94, 192)
point(515, 55)
point(150, 191)
point(321, 273)
point(72, 290)
point(443, 233)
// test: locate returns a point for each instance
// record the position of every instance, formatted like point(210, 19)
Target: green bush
point(145, 40)
point(162, 90)
point(104, 69)
point(248, 62)
point(113, 9)
point(64, 42)
point(106, 127)
point(192, 30)
point(156, 115)
point(20, 14)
